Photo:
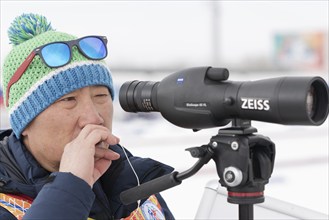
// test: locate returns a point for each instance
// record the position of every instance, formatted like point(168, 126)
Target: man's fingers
point(96, 136)
point(106, 154)
point(89, 128)
point(100, 168)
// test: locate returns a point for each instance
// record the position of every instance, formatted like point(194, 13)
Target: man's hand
point(88, 156)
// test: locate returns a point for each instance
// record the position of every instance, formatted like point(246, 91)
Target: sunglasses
point(58, 54)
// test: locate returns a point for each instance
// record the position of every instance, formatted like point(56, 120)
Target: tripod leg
point(246, 212)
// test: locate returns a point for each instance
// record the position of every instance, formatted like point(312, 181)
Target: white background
point(173, 35)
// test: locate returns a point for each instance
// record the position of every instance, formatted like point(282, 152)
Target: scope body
point(203, 97)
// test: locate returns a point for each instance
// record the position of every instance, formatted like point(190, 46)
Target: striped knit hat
point(40, 85)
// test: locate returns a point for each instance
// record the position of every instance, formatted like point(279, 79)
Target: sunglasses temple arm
point(19, 72)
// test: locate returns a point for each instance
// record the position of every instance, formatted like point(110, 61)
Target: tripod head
point(244, 163)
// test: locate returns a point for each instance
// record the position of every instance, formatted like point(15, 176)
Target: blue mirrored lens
point(56, 54)
point(93, 47)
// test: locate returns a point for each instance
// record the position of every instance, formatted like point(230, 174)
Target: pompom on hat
point(40, 86)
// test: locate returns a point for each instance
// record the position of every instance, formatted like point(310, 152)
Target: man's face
point(47, 135)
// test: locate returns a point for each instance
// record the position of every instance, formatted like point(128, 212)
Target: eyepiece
point(138, 96)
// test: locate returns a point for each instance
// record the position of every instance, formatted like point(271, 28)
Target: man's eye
point(102, 95)
point(101, 98)
point(67, 99)
point(67, 102)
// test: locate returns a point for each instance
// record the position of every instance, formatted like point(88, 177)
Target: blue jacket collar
point(28, 176)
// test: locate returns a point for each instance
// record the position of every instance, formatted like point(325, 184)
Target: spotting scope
point(203, 97)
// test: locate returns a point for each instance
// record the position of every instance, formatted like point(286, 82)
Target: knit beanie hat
point(40, 85)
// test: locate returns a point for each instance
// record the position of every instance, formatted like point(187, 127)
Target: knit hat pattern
point(40, 86)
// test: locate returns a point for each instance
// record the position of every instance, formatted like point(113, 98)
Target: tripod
point(244, 163)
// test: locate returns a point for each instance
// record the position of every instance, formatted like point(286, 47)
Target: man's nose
point(89, 114)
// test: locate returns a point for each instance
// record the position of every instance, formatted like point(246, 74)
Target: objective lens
point(311, 102)
point(317, 107)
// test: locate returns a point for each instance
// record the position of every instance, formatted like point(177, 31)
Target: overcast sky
point(176, 33)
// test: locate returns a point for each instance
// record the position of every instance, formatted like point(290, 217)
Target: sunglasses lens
point(93, 47)
point(56, 54)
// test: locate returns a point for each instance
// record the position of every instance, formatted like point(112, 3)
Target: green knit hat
point(40, 85)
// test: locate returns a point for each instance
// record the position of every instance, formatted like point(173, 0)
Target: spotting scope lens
point(317, 101)
point(310, 102)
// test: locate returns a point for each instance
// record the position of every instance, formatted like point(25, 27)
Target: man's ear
point(25, 132)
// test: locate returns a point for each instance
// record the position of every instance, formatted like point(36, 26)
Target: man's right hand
point(88, 156)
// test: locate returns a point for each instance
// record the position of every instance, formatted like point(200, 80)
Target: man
point(61, 160)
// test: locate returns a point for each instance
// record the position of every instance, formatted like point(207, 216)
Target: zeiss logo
point(255, 104)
